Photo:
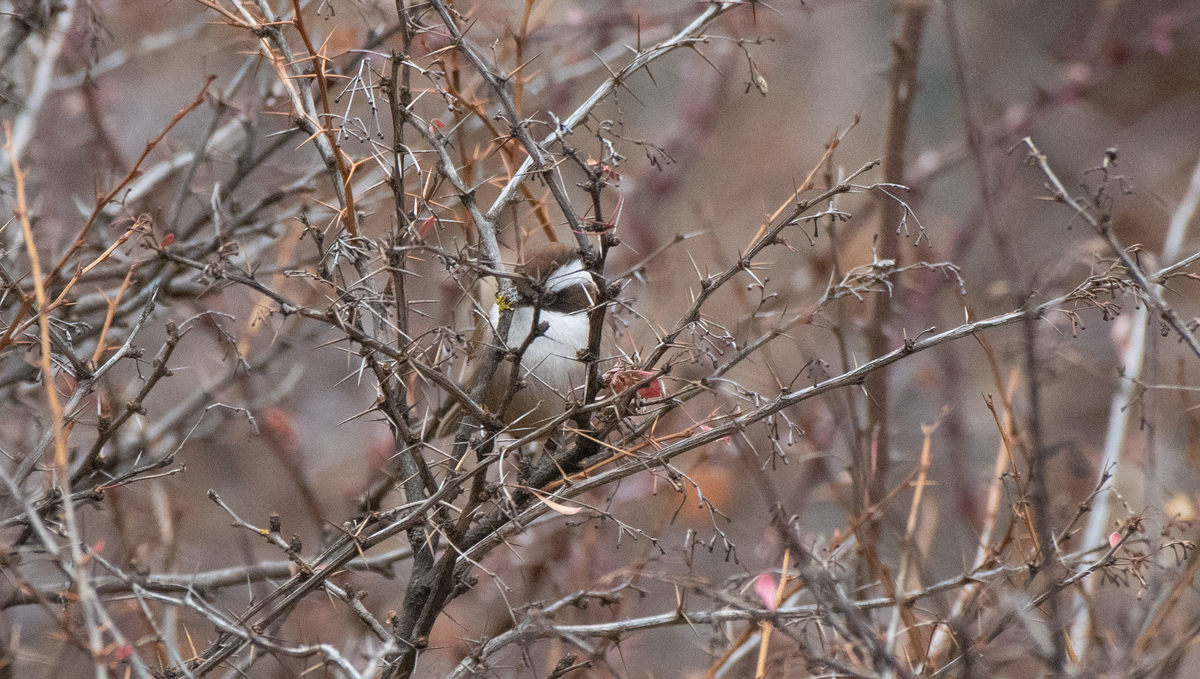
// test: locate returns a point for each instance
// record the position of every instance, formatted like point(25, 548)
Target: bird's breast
point(550, 366)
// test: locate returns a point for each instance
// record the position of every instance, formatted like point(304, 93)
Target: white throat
point(550, 365)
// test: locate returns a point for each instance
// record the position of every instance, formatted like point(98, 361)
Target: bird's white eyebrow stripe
point(572, 273)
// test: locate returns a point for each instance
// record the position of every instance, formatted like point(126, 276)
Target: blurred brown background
point(1078, 77)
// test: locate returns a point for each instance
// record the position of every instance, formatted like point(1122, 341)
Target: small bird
point(556, 288)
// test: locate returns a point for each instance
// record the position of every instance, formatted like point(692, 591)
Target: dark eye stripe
point(572, 299)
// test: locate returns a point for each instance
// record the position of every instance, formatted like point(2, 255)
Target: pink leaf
point(425, 226)
point(1114, 539)
point(620, 380)
point(652, 390)
point(765, 587)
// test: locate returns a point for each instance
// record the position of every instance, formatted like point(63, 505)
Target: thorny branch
point(378, 247)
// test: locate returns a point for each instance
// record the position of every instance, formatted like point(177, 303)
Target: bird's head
point(554, 278)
